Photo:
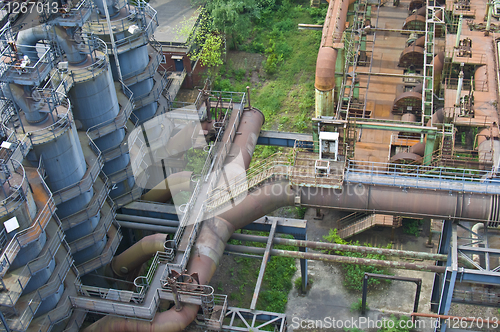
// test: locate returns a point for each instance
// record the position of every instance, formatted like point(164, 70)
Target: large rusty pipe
point(171, 186)
point(327, 56)
point(340, 259)
point(342, 247)
point(139, 253)
point(209, 246)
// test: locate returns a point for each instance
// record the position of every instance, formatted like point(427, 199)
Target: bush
point(354, 274)
point(412, 226)
point(301, 211)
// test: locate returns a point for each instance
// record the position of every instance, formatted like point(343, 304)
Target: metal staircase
point(368, 222)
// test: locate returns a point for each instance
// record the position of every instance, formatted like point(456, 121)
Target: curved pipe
point(35, 34)
point(171, 186)
point(137, 254)
point(30, 108)
point(215, 232)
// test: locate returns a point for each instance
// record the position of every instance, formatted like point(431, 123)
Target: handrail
point(89, 211)
point(84, 185)
point(57, 279)
point(150, 69)
point(152, 95)
point(42, 261)
point(28, 235)
point(98, 234)
point(99, 56)
point(76, 13)
point(104, 258)
point(24, 70)
point(118, 122)
point(17, 197)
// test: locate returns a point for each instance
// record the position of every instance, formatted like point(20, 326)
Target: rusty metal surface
point(171, 186)
point(325, 69)
point(342, 247)
point(406, 156)
point(139, 253)
point(412, 55)
point(409, 101)
point(342, 259)
point(415, 22)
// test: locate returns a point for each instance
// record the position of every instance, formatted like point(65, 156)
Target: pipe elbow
point(325, 69)
point(139, 253)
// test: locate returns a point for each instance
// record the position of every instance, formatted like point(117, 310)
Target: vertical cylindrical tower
point(132, 28)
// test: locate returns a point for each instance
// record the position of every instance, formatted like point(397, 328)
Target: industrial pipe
point(215, 232)
point(170, 187)
point(139, 253)
point(342, 247)
point(31, 36)
point(333, 29)
point(459, 30)
point(21, 96)
point(147, 227)
point(340, 259)
point(147, 220)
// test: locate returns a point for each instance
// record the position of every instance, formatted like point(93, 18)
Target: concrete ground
point(329, 298)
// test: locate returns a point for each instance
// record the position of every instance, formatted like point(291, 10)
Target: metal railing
point(84, 185)
point(55, 281)
point(419, 176)
point(18, 195)
point(98, 51)
point(28, 235)
point(14, 292)
point(56, 129)
point(214, 160)
point(105, 257)
point(118, 122)
point(476, 58)
point(78, 14)
point(107, 218)
point(150, 69)
point(152, 95)
point(90, 210)
point(452, 83)
point(19, 70)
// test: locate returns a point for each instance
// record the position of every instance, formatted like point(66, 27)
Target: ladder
point(352, 45)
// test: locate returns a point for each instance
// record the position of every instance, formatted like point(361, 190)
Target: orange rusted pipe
point(327, 55)
point(139, 253)
point(171, 186)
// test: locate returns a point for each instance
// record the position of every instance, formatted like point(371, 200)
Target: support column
point(429, 148)
point(303, 268)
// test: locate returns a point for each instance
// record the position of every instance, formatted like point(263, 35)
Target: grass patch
point(412, 226)
point(358, 305)
point(353, 273)
point(285, 91)
point(277, 281)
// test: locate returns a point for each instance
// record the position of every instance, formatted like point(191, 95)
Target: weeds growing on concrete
point(353, 279)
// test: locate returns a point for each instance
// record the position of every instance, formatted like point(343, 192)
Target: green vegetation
point(412, 226)
point(354, 274)
point(358, 305)
point(276, 284)
point(195, 160)
point(285, 88)
point(298, 283)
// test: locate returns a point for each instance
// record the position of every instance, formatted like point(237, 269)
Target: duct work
point(327, 56)
point(38, 33)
